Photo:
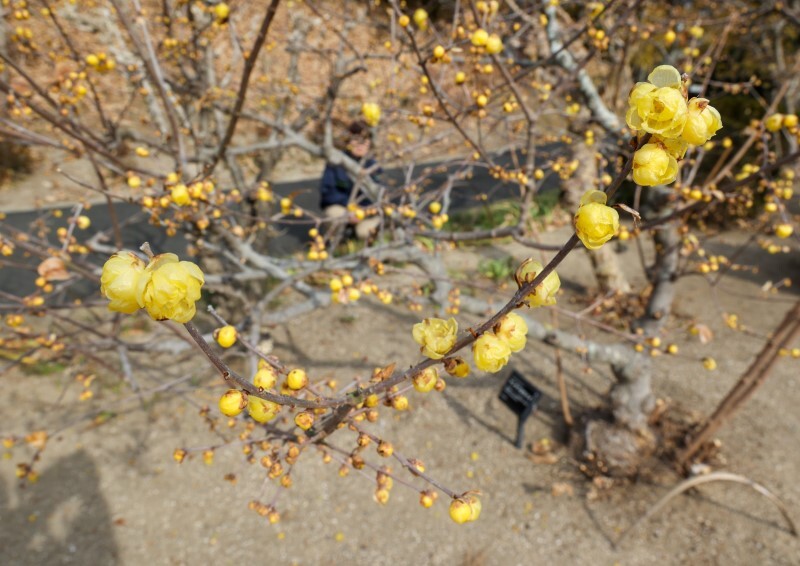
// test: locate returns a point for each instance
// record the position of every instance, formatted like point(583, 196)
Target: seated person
point(336, 187)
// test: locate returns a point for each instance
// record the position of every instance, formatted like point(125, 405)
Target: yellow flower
point(702, 123)
point(595, 223)
point(435, 336)
point(676, 147)
point(425, 380)
point(494, 44)
point(169, 288)
point(371, 113)
point(774, 122)
point(513, 330)
point(180, 195)
point(222, 11)
point(781, 230)
point(545, 292)
point(659, 111)
point(421, 19)
point(479, 37)
point(490, 353)
point(653, 165)
point(120, 280)
point(658, 106)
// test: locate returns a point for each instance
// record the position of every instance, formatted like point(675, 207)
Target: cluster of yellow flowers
point(166, 287)
point(659, 107)
point(492, 349)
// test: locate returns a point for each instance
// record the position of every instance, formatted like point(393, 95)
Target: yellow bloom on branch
point(545, 293)
point(513, 330)
point(490, 352)
point(371, 113)
point(702, 123)
point(658, 106)
point(120, 280)
point(653, 165)
point(435, 336)
point(169, 288)
point(595, 223)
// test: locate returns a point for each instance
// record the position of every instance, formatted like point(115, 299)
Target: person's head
point(359, 139)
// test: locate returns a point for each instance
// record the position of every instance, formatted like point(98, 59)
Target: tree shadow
point(61, 518)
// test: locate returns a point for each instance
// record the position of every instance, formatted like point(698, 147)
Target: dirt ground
point(113, 494)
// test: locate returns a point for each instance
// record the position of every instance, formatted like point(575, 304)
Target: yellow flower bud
point(265, 378)
point(790, 121)
point(475, 506)
point(460, 511)
point(595, 223)
point(120, 280)
point(710, 364)
point(490, 353)
point(774, 122)
point(456, 367)
point(513, 330)
point(169, 288)
point(226, 336)
point(425, 380)
point(781, 230)
point(435, 336)
point(222, 11)
point(371, 113)
point(460, 77)
point(653, 165)
point(304, 420)
point(180, 195)
point(438, 52)
point(479, 37)
point(545, 292)
point(421, 19)
point(261, 410)
point(297, 379)
point(702, 122)
point(404, 21)
point(232, 402)
point(494, 44)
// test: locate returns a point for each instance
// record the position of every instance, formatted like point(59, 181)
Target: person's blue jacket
point(336, 185)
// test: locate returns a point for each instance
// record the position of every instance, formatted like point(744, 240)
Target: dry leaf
point(560, 488)
point(704, 333)
point(53, 269)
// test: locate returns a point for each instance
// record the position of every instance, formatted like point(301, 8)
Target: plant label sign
point(522, 397)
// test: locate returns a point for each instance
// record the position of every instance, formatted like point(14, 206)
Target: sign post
point(522, 397)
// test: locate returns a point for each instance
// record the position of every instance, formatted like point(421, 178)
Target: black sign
point(522, 397)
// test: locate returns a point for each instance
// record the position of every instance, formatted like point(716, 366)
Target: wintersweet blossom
point(702, 123)
point(653, 165)
point(169, 288)
point(120, 280)
point(435, 336)
point(490, 352)
point(545, 293)
point(595, 223)
point(513, 330)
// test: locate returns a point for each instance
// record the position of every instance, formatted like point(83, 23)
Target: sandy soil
point(112, 494)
